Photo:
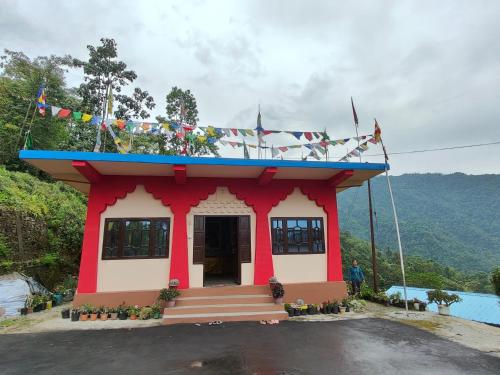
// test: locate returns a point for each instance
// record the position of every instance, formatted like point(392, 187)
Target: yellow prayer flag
point(86, 117)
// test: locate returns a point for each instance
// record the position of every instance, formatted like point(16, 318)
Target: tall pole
point(397, 228)
point(372, 237)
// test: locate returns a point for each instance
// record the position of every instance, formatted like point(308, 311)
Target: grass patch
point(14, 324)
point(423, 324)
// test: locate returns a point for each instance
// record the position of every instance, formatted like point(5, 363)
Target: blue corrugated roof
point(189, 160)
point(474, 306)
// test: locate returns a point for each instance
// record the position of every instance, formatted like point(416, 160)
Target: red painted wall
point(181, 197)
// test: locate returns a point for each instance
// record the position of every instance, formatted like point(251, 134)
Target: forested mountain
point(453, 219)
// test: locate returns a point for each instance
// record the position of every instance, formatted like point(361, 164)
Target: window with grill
point(136, 238)
point(297, 235)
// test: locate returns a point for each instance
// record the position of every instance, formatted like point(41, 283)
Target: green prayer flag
point(77, 115)
point(28, 144)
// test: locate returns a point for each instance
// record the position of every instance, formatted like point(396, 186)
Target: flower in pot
point(104, 313)
point(169, 295)
point(278, 293)
point(443, 299)
point(113, 313)
point(173, 284)
point(145, 313)
point(133, 311)
point(289, 309)
point(273, 280)
point(93, 313)
point(85, 311)
point(156, 310)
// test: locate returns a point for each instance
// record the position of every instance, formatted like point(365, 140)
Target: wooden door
point(244, 244)
point(199, 239)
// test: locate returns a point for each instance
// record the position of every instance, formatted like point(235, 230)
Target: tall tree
point(104, 78)
point(20, 79)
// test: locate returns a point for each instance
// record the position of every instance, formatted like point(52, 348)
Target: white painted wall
point(299, 268)
point(134, 274)
point(222, 203)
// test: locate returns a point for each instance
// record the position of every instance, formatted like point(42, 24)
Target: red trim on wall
point(180, 199)
point(327, 198)
point(180, 174)
point(267, 175)
point(340, 177)
point(87, 171)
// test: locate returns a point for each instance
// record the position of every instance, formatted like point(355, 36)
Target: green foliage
point(420, 272)
point(169, 294)
point(441, 297)
point(495, 280)
point(452, 219)
point(4, 248)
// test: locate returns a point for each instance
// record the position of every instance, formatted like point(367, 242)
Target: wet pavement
point(365, 346)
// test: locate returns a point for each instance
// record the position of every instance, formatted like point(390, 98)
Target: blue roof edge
point(187, 160)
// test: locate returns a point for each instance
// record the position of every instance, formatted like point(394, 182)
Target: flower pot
point(57, 297)
point(93, 316)
point(104, 316)
point(44, 305)
point(278, 301)
point(75, 315)
point(171, 303)
point(422, 307)
point(290, 312)
point(335, 310)
point(84, 317)
point(30, 310)
point(347, 309)
point(416, 306)
point(113, 316)
point(122, 315)
point(444, 310)
point(296, 312)
point(49, 305)
point(24, 311)
point(133, 317)
point(342, 309)
point(65, 314)
point(38, 308)
point(157, 315)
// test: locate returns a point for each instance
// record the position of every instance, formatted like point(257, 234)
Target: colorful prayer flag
point(63, 113)
point(377, 133)
point(55, 110)
point(77, 115)
point(40, 99)
point(86, 117)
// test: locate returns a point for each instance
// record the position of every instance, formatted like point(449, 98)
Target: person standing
point(356, 277)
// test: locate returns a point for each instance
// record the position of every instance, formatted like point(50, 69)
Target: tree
point(19, 82)
point(104, 76)
point(182, 109)
point(495, 279)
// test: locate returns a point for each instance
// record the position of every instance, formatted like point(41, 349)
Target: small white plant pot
point(278, 301)
point(416, 306)
point(444, 310)
point(171, 303)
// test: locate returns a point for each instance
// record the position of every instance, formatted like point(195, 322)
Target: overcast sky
point(429, 71)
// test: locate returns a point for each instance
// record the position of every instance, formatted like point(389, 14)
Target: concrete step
point(231, 307)
point(223, 299)
point(224, 316)
point(226, 290)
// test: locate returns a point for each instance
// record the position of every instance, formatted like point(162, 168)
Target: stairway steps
point(225, 317)
point(235, 307)
point(224, 299)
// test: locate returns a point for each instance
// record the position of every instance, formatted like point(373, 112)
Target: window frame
point(121, 240)
point(284, 228)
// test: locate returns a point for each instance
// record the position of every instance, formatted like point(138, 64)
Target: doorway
point(221, 244)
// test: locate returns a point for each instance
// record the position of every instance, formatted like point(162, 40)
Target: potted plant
point(273, 280)
point(104, 313)
point(173, 284)
point(37, 303)
point(416, 304)
point(122, 312)
point(289, 309)
point(156, 309)
point(133, 311)
point(145, 313)
point(278, 293)
point(443, 299)
point(334, 307)
point(169, 295)
point(113, 313)
point(65, 313)
point(422, 306)
point(93, 313)
point(85, 311)
point(75, 315)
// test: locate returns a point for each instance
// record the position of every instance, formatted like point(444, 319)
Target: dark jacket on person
point(356, 274)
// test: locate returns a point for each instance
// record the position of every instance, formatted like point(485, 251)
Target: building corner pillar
point(179, 262)
point(263, 266)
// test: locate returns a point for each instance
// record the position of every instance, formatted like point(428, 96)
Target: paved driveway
point(365, 346)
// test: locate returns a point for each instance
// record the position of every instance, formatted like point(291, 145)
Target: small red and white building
point(221, 226)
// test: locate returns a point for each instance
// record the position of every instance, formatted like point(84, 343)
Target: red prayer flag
point(308, 136)
point(63, 113)
point(235, 131)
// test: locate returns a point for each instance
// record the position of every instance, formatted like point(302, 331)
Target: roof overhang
point(78, 169)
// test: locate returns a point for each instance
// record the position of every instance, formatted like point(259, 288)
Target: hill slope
point(453, 219)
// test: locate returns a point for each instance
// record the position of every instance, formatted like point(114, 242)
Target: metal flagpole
point(397, 226)
point(372, 238)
